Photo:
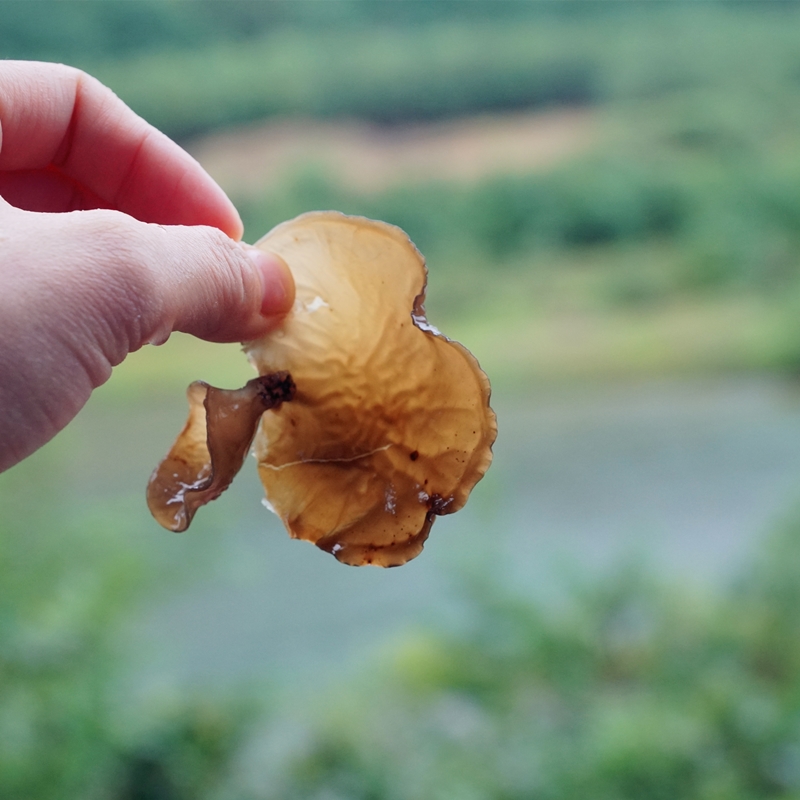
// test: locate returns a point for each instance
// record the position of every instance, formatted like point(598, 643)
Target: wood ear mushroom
point(390, 423)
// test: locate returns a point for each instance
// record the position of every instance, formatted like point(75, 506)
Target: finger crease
point(130, 171)
point(64, 150)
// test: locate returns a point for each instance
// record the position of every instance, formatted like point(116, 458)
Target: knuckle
point(231, 268)
point(118, 267)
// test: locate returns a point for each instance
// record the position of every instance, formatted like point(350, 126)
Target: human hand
point(111, 236)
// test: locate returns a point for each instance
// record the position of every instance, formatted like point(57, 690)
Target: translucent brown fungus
point(211, 448)
point(390, 425)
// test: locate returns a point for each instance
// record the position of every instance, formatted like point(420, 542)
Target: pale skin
point(111, 236)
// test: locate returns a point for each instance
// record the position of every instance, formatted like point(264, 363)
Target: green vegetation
point(626, 691)
point(195, 65)
point(685, 213)
point(647, 229)
point(452, 66)
point(189, 66)
point(624, 688)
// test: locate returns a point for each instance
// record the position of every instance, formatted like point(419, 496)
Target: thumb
point(210, 286)
point(81, 290)
point(100, 284)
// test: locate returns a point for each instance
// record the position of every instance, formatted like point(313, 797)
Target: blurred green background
point(608, 196)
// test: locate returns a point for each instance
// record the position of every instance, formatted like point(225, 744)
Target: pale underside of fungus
point(380, 423)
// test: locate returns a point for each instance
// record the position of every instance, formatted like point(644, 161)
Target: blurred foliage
point(619, 688)
point(70, 725)
point(452, 66)
point(72, 29)
point(500, 219)
point(694, 174)
point(626, 690)
point(690, 190)
point(189, 66)
point(639, 225)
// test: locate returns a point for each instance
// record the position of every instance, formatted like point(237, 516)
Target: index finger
point(57, 116)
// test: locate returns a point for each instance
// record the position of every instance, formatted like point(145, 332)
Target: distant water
point(685, 475)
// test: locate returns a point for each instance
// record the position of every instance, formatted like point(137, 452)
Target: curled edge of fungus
point(211, 448)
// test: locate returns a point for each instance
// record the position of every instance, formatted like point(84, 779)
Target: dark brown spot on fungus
point(211, 448)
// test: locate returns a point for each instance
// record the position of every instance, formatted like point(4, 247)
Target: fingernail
point(276, 281)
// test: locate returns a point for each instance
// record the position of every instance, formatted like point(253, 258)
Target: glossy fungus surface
point(390, 424)
point(212, 446)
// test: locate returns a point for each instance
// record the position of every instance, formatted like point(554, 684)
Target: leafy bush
point(191, 66)
point(622, 689)
point(736, 228)
point(629, 690)
point(69, 725)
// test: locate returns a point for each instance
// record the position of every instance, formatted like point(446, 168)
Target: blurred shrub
point(70, 29)
point(72, 727)
point(59, 596)
point(735, 228)
point(596, 202)
point(191, 66)
point(385, 75)
point(620, 690)
point(627, 691)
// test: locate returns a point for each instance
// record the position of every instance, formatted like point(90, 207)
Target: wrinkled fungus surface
point(211, 448)
point(390, 424)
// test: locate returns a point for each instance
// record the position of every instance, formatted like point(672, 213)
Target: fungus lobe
point(390, 423)
point(212, 446)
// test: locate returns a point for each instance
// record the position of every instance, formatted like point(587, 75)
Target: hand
point(111, 236)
